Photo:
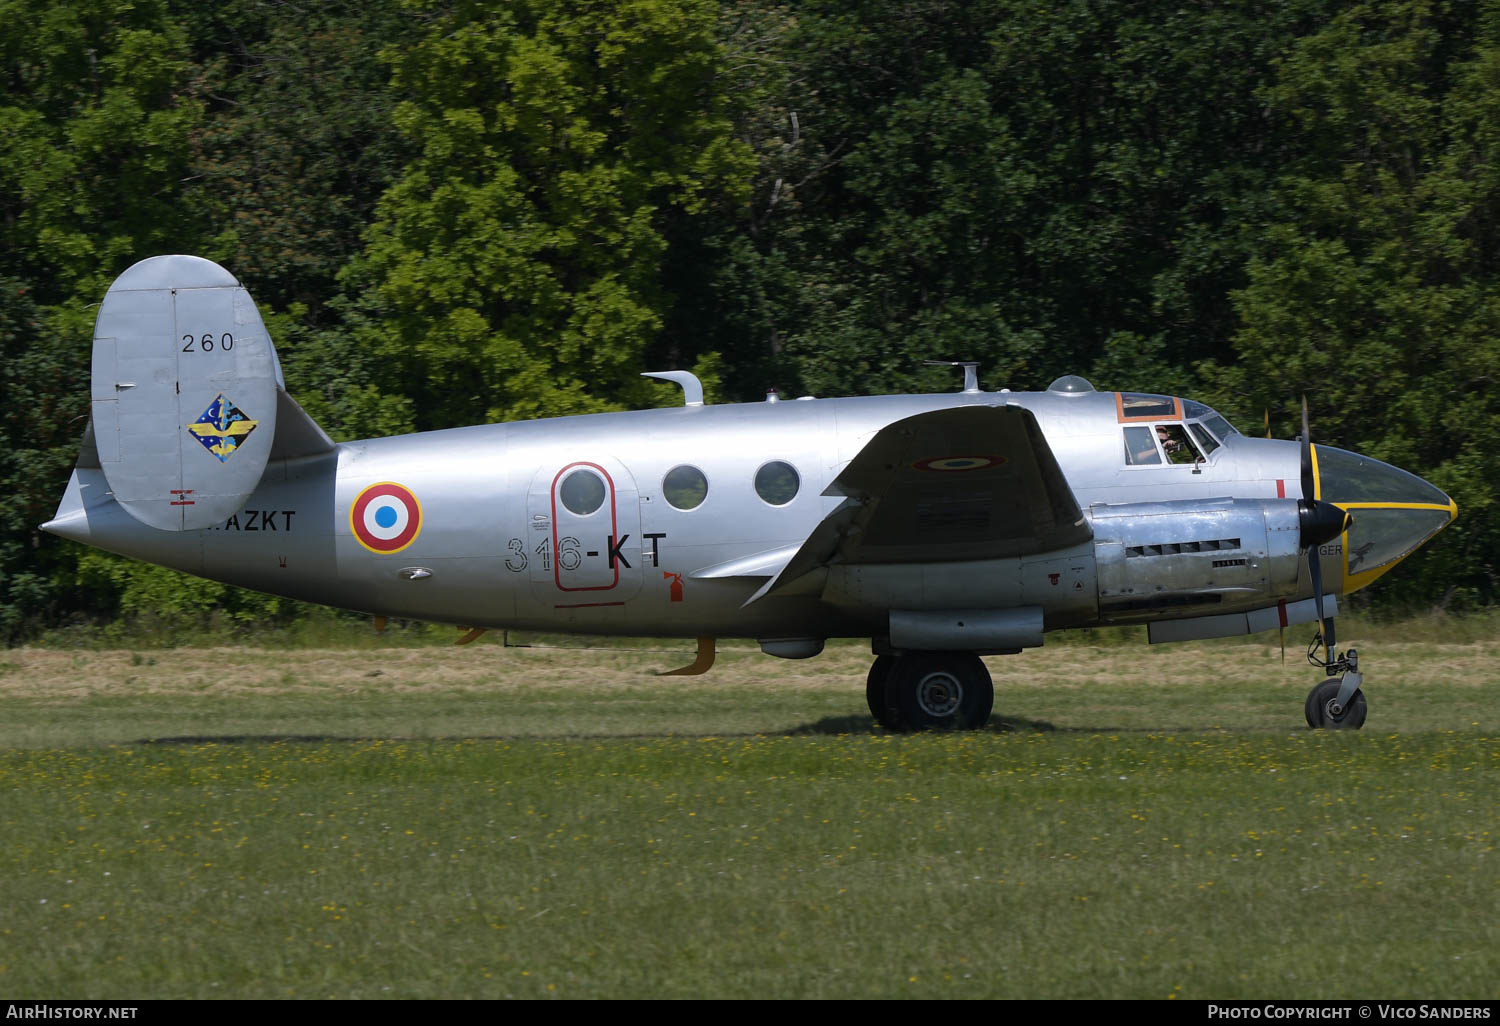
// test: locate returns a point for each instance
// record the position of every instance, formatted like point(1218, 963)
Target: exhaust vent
point(1174, 548)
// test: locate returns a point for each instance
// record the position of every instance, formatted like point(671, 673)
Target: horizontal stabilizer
point(184, 392)
point(297, 434)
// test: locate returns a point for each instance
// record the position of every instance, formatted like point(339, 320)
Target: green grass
point(526, 823)
point(1030, 865)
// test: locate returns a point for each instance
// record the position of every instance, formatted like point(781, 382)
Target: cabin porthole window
point(777, 483)
point(684, 487)
point(582, 492)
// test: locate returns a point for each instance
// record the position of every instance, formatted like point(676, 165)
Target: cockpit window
point(1144, 446)
point(1140, 448)
point(1219, 426)
point(1174, 441)
point(1204, 438)
point(1140, 405)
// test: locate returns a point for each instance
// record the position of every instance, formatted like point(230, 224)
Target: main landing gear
point(930, 691)
point(1337, 703)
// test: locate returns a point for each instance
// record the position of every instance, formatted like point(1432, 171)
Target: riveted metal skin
point(1170, 559)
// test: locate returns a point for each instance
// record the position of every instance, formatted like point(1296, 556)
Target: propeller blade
point(1315, 568)
point(1319, 522)
point(1307, 467)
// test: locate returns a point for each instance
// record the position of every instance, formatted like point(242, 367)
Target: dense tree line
point(453, 211)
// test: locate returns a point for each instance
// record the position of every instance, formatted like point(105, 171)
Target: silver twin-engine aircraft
point(942, 527)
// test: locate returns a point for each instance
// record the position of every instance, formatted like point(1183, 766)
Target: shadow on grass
point(1020, 725)
point(828, 726)
point(866, 725)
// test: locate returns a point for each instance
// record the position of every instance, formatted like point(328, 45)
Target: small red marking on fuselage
point(182, 502)
point(1054, 578)
point(676, 588)
point(1280, 494)
point(589, 605)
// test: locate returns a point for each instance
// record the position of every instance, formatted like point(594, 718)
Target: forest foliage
point(454, 212)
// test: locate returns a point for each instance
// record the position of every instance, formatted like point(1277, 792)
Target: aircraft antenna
point(971, 371)
point(692, 388)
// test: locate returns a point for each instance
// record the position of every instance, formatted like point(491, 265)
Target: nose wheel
point(1337, 703)
point(1326, 711)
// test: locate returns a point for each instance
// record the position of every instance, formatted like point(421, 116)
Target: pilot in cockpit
point(1175, 444)
point(1141, 450)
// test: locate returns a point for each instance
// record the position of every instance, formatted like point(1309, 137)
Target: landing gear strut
point(930, 691)
point(1337, 703)
point(1333, 704)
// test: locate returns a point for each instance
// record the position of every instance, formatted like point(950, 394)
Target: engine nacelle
point(1194, 557)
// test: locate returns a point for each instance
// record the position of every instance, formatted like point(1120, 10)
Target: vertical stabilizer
point(183, 392)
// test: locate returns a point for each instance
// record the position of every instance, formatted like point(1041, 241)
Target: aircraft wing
point(971, 483)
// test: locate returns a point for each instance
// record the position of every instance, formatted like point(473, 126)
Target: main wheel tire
point(1320, 717)
point(875, 690)
point(940, 691)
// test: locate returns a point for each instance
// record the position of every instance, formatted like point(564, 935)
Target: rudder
point(183, 391)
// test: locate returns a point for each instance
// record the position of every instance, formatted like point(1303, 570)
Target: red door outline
point(614, 528)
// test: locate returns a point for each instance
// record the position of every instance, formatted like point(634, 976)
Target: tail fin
point(186, 391)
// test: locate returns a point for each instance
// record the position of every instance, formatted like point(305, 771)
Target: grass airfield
point(398, 819)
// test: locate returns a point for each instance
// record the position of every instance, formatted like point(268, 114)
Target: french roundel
point(950, 464)
point(385, 517)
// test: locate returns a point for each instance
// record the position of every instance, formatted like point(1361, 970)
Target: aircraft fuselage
point(497, 546)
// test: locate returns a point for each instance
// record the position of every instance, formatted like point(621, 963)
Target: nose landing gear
point(1337, 703)
point(1326, 711)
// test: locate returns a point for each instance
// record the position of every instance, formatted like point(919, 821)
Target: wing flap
point(759, 564)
